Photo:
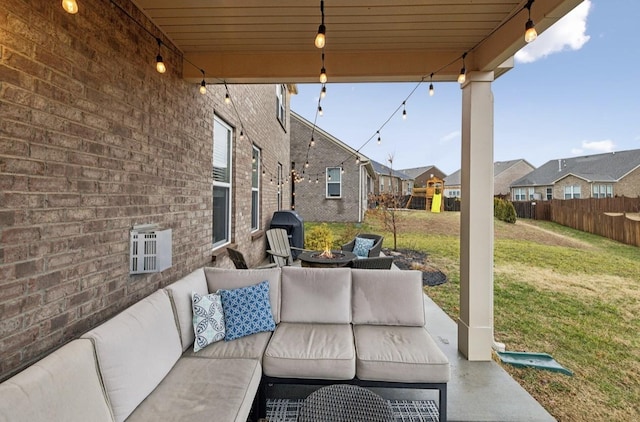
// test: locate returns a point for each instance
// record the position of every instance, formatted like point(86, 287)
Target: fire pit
point(326, 259)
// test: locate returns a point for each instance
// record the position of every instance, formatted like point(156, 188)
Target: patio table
point(345, 403)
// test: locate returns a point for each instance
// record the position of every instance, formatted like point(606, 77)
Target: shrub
point(504, 210)
point(319, 237)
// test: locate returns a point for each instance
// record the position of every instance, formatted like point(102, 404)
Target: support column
point(475, 326)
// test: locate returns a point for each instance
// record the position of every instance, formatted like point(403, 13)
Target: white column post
point(475, 326)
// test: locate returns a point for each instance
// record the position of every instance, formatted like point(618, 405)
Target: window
point(602, 191)
point(255, 189)
point(280, 103)
point(334, 182)
point(549, 193)
point(571, 192)
point(221, 183)
point(519, 194)
point(532, 192)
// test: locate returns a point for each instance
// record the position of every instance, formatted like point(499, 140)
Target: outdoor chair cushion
point(384, 297)
point(320, 295)
point(63, 386)
point(398, 354)
point(136, 349)
point(362, 246)
point(199, 390)
point(180, 293)
point(248, 347)
point(311, 351)
point(225, 278)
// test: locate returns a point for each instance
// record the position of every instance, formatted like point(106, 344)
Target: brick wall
point(311, 202)
point(92, 141)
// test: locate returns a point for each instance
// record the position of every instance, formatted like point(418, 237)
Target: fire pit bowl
point(318, 260)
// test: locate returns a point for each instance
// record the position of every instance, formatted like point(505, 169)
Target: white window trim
point(228, 185)
point(281, 106)
point(258, 169)
point(327, 182)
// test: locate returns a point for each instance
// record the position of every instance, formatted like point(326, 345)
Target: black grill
point(293, 224)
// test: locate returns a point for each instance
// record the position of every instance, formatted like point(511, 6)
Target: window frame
point(572, 192)
point(330, 181)
point(281, 104)
point(256, 167)
point(227, 185)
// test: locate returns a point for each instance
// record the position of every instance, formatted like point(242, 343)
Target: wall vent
point(150, 249)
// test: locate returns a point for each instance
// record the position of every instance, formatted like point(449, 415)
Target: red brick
point(20, 235)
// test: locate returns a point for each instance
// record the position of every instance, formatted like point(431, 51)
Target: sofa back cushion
point(388, 297)
point(63, 386)
point(320, 295)
point(228, 279)
point(180, 295)
point(136, 349)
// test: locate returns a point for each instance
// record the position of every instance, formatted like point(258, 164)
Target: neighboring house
point(504, 173)
point(333, 179)
point(421, 175)
point(391, 181)
point(592, 176)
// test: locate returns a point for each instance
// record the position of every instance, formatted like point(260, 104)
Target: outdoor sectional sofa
point(336, 325)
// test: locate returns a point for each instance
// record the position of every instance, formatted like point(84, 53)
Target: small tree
point(388, 205)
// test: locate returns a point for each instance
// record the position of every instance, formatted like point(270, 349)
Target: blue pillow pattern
point(361, 246)
point(247, 310)
point(208, 319)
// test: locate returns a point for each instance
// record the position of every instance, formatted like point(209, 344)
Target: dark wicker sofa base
point(261, 399)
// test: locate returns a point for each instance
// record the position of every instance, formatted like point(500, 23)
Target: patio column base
point(475, 343)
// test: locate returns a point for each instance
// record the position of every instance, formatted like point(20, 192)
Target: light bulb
point(379, 140)
point(342, 170)
point(431, 90)
point(404, 114)
point(203, 87)
point(241, 135)
point(313, 142)
point(320, 112)
point(323, 92)
point(160, 67)
point(227, 98)
point(320, 37)
point(70, 6)
point(462, 76)
point(323, 76)
point(530, 33)
point(306, 165)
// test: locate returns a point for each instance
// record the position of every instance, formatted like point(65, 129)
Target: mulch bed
point(407, 259)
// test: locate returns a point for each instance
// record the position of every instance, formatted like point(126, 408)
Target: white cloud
point(568, 33)
point(594, 147)
point(450, 137)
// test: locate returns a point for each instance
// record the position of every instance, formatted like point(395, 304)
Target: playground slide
point(436, 202)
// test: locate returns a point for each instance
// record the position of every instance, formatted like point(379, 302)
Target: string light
point(431, 90)
point(462, 77)
point(323, 92)
point(320, 112)
point(227, 98)
point(404, 111)
point(70, 6)
point(530, 33)
point(241, 135)
point(313, 142)
point(203, 84)
point(379, 139)
point(323, 72)
point(160, 67)
point(306, 165)
point(322, 30)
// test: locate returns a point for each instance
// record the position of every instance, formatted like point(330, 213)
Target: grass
point(571, 294)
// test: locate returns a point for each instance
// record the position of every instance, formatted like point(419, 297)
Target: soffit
point(367, 40)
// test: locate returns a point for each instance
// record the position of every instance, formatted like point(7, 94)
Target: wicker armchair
point(377, 263)
point(375, 249)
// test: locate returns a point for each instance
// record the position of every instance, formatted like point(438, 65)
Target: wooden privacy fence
point(615, 218)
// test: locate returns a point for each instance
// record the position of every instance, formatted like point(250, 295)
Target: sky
point(574, 91)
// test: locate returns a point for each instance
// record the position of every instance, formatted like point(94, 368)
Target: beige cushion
point(203, 390)
point(311, 351)
point(383, 297)
point(248, 347)
point(64, 386)
point(136, 349)
point(400, 354)
point(180, 294)
point(316, 295)
point(223, 278)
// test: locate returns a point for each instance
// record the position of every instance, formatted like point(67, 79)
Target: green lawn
point(573, 295)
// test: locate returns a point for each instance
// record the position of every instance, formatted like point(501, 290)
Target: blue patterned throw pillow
point(247, 310)
point(208, 319)
point(362, 246)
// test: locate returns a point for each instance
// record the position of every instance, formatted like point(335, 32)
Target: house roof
point(417, 171)
point(498, 167)
point(267, 41)
point(380, 168)
point(350, 152)
point(607, 167)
